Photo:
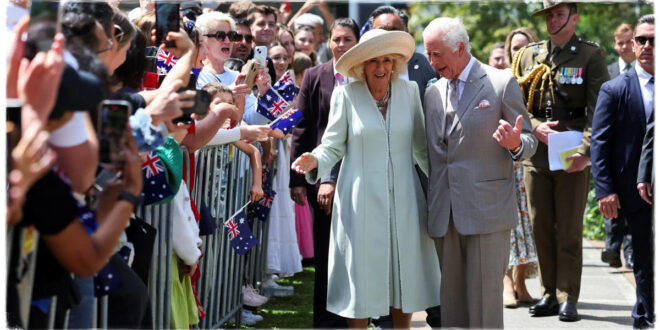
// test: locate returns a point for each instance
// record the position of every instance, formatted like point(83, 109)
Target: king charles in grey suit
point(476, 127)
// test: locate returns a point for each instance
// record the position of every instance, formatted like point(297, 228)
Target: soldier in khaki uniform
point(560, 79)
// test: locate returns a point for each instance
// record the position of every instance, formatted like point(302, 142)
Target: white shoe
point(271, 288)
point(252, 298)
point(249, 318)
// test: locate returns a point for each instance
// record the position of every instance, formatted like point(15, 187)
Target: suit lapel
point(413, 72)
point(327, 79)
point(635, 100)
point(472, 87)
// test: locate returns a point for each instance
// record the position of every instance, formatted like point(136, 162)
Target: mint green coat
point(379, 205)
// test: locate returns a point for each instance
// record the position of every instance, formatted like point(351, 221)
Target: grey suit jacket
point(613, 69)
point(471, 175)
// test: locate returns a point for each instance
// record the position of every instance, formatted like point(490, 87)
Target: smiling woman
point(379, 206)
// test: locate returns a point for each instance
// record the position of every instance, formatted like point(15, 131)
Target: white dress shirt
point(647, 90)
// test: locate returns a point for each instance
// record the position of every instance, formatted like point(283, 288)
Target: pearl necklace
point(383, 102)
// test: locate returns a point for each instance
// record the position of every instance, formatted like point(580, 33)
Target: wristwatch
point(129, 197)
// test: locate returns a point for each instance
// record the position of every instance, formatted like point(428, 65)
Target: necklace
point(381, 104)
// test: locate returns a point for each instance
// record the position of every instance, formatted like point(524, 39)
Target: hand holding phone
point(202, 100)
point(111, 127)
point(43, 25)
point(167, 20)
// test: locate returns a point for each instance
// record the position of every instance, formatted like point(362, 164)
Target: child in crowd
point(221, 93)
point(304, 221)
point(280, 58)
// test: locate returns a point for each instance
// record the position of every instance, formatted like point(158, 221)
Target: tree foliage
point(490, 21)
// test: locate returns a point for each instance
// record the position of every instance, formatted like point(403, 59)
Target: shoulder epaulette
point(588, 42)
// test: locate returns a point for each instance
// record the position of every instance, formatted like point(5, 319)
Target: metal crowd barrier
point(222, 182)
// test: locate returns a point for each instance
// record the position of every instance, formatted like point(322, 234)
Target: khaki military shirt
point(578, 71)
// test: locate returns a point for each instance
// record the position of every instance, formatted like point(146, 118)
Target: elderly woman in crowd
point(380, 255)
point(522, 252)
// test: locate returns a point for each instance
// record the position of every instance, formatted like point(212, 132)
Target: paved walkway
point(606, 299)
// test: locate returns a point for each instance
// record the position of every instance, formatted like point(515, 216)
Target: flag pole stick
point(237, 211)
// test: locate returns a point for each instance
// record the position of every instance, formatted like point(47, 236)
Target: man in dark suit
point(314, 101)
point(617, 229)
point(624, 107)
point(419, 68)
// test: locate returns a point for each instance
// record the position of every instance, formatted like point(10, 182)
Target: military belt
point(553, 113)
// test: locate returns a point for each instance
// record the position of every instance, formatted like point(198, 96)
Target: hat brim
point(391, 42)
point(542, 12)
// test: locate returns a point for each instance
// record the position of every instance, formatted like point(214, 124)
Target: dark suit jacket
point(619, 126)
point(421, 71)
point(314, 102)
point(645, 173)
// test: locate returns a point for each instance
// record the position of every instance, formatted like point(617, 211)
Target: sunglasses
point(641, 40)
point(247, 37)
point(221, 35)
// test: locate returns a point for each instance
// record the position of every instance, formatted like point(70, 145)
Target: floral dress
point(522, 250)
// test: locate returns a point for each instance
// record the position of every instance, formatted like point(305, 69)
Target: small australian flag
point(155, 186)
point(286, 87)
point(106, 281)
point(288, 121)
point(271, 104)
point(261, 208)
point(166, 61)
point(240, 235)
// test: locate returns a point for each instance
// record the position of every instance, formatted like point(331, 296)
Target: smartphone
point(111, 128)
point(167, 19)
point(201, 107)
point(104, 176)
point(151, 54)
point(44, 17)
point(260, 54)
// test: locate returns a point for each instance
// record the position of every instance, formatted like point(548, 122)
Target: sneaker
point(246, 319)
point(271, 288)
point(252, 298)
point(249, 318)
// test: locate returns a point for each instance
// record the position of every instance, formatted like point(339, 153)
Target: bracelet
point(129, 197)
point(517, 149)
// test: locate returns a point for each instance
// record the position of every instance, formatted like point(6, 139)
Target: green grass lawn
point(290, 312)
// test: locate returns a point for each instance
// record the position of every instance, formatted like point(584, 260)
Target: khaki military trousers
point(556, 202)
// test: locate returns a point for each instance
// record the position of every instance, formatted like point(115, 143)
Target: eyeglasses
point(641, 40)
point(110, 46)
point(247, 37)
point(221, 35)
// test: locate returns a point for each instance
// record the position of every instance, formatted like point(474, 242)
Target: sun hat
point(374, 43)
point(549, 4)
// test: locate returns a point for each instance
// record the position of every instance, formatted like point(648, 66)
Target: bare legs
point(514, 286)
point(509, 294)
point(400, 320)
point(520, 287)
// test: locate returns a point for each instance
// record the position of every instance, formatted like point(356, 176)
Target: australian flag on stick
point(240, 235)
point(287, 121)
point(261, 208)
point(286, 87)
point(154, 178)
point(271, 105)
point(166, 61)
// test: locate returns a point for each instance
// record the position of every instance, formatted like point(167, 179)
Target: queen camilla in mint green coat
point(380, 253)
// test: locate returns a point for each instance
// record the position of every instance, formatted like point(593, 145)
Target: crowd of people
point(411, 182)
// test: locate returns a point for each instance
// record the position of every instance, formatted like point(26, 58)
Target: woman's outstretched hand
point(305, 163)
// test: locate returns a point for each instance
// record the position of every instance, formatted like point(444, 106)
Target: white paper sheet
point(558, 142)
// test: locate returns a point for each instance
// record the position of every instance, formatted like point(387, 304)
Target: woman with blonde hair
point(381, 258)
point(517, 39)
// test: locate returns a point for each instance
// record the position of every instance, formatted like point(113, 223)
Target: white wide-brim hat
point(374, 43)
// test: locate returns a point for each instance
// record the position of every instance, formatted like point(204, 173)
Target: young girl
point(280, 57)
point(304, 41)
point(221, 93)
